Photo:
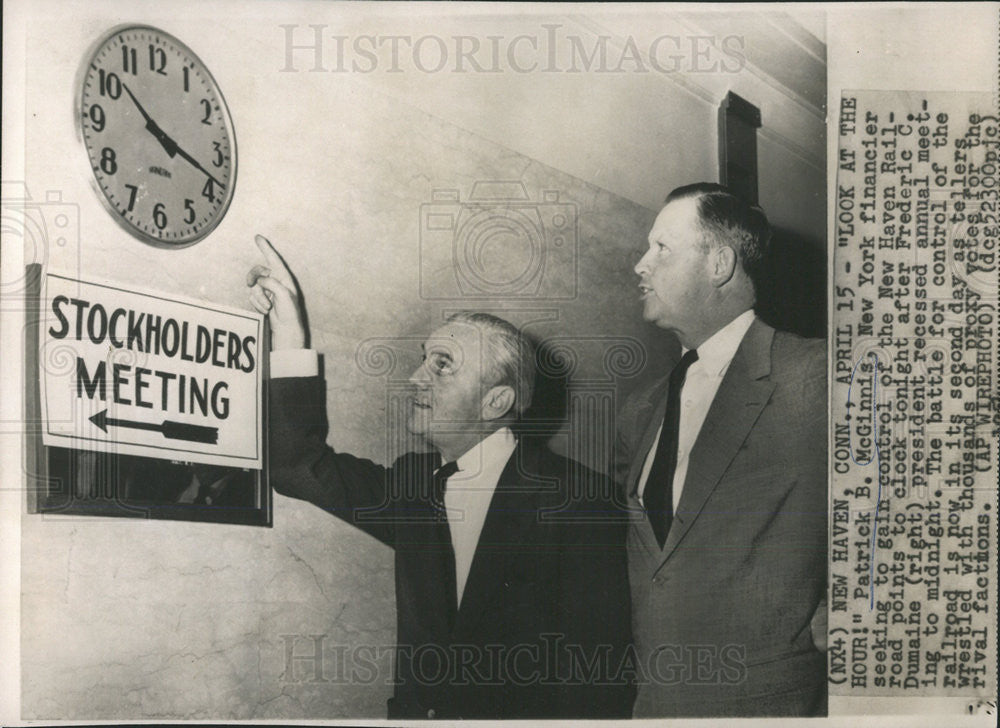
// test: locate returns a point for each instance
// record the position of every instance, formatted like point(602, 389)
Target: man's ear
point(498, 402)
point(723, 265)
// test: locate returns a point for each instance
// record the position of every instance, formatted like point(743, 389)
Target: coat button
point(432, 713)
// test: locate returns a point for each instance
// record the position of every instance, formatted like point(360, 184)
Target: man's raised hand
point(274, 293)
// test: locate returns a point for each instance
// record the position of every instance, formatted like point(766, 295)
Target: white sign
point(138, 373)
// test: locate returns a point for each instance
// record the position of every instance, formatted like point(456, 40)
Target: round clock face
point(158, 136)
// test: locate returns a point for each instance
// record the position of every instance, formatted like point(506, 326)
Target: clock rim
point(119, 218)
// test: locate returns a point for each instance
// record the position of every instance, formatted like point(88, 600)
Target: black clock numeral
point(131, 197)
point(218, 154)
point(159, 216)
point(96, 114)
point(129, 62)
point(109, 165)
point(157, 60)
point(189, 213)
point(208, 191)
point(110, 84)
point(187, 79)
point(207, 105)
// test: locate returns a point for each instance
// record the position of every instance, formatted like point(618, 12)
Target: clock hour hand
point(169, 145)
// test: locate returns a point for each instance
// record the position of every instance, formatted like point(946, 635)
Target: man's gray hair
point(509, 354)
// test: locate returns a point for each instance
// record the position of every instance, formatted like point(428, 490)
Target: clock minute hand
point(194, 163)
point(168, 144)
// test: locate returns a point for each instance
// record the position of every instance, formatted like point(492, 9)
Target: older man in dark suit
point(723, 460)
point(511, 594)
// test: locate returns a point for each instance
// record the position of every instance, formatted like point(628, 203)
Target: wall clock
point(158, 136)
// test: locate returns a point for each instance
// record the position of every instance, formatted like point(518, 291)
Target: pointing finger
point(274, 261)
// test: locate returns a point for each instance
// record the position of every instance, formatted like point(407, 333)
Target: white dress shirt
point(468, 492)
point(700, 385)
point(294, 363)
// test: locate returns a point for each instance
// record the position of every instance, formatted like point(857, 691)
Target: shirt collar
point(715, 354)
point(493, 449)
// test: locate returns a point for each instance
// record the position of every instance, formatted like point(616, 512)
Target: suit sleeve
point(303, 466)
point(817, 380)
point(621, 463)
point(627, 436)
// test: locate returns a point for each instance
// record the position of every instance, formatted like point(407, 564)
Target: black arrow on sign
point(170, 429)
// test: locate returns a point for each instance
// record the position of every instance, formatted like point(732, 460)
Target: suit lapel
point(652, 413)
point(513, 508)
point(742, 395)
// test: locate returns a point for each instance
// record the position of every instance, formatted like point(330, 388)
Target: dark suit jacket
point(721, 615)
point(547, 590)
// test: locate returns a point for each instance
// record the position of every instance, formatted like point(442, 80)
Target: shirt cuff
point(294, 363)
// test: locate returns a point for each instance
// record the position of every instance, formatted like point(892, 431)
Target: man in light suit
point(723, 462)
point(511, 589)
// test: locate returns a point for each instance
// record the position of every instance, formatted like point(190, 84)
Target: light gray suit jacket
point(722, 613)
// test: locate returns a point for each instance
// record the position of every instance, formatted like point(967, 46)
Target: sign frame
point(65, 481)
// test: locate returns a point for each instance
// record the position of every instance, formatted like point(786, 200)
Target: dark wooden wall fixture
point(739, 121)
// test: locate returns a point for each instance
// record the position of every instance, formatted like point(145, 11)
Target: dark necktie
point(443, 538)
point(441, 476)
point(658, 495)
